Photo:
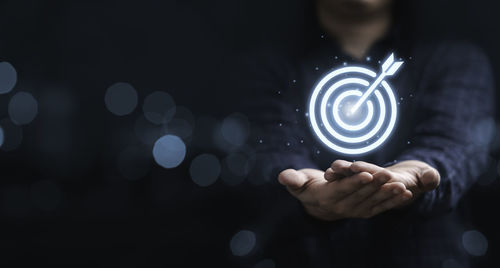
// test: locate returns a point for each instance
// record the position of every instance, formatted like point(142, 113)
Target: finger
point(393, 202)
point(293, 180)
point(383, 175)
point(360, 166)
point(366, 191)
point(330, 175)
point(342, 188)
point(385, 192)
point(341, 169)
point(429, 179)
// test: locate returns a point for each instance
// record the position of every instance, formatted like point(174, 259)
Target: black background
point(193, 50)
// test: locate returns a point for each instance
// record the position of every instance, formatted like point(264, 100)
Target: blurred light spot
point(205, 169)
point(148, 132)
point(235, 129)
point(242, 243)
point(266, 263)
point(46, 195)
point(121, 98)
point(184, 113)
point(13, 135)
point(22, 108)
point(451, 263)
point(169, 151)
point(236, 168)
point(159, 107)
point(238, 164)
point(134, 162)
point(264, 172)
point(483, 131)
point(8, 77)
point(475, 243)
point(180, 127)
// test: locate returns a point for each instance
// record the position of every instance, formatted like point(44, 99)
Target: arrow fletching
point(389, 67)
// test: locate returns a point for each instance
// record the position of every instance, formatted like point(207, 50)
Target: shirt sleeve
point(454, 125)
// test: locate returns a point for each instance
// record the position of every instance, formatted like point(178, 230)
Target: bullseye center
point(343, 115)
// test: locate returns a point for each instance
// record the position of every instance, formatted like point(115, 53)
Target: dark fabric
point(445, 92)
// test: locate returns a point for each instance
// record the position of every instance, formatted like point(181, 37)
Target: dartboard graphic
point(353, 110)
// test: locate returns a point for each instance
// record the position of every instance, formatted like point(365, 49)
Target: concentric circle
point(334, 123)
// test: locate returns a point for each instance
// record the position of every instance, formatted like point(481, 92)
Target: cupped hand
point(341, 192)
point(416, 176)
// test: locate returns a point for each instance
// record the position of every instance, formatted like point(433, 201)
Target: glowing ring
point(323, 119)
point(341, 137)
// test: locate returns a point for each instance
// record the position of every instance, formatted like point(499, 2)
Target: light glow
point(379, 111)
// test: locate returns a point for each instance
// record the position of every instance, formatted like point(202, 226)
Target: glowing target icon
point(353, 110)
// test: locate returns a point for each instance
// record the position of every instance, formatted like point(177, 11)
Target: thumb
point(429, 178)
point(293, 180)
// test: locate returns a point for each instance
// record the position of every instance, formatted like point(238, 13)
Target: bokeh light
point(205, 169)
point(169, 151)
point(8, 77)
point(238, 164)
point(134, 162)
point(235, 168)
point(266, 263)
point(184, 113)
point(235, 129)
point(121, 98)
point(475, 243)
point(148, 132)
point(180, 127)
point(12, 135)
point(23, 108)
point(242, 243)
point(483, 131)
point(159, 107)
point(46, 195)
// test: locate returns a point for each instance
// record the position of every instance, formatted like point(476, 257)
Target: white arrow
point(389, 67)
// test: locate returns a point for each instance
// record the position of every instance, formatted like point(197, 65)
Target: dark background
point(64, 196)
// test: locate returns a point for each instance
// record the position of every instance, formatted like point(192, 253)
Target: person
point(393, 206)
